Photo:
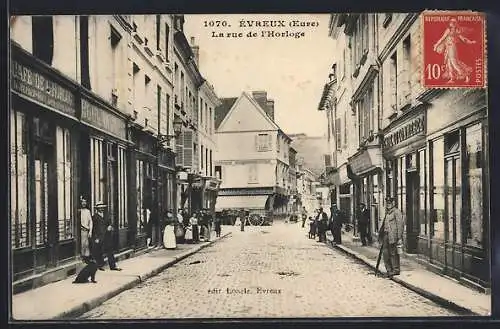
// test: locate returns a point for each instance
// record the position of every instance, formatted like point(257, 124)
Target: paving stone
point(278, 274)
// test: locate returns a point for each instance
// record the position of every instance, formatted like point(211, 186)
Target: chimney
point(261, 98)
point(270, 108)
point(196, 52)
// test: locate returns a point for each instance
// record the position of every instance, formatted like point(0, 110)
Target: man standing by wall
point(103, 239)
point(363, 224)
point(392, 237)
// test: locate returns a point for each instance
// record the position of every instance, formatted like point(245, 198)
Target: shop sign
point(410, 129)
point(42, 89)
point(361, 162)
point(103, 119)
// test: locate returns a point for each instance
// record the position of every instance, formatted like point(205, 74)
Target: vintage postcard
point(175, 166)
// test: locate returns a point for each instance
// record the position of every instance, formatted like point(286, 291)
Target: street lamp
point(177, 131)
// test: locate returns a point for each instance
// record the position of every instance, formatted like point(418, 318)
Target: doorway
point(453, 205)
point(412, 210)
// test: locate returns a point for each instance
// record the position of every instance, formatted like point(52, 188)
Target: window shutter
point(179, 149)
point(188, 148)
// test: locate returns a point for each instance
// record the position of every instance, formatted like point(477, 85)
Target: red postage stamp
point(454, 49)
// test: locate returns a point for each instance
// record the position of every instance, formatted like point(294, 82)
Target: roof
point(222, 110)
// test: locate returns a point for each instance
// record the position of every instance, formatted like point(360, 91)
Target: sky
point(292, 70)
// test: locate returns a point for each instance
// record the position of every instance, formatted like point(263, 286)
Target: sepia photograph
point(248, 166)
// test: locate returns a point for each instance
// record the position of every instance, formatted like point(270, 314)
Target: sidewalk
point(416, 277)
point(65, 300)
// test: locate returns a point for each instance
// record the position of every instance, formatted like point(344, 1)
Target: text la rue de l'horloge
point(252, 29)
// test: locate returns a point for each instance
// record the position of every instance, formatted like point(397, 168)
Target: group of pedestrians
point(97, 237)
point(197, 227)
point(390, 236)
point(322, 223)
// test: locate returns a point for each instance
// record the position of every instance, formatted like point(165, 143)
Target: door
point(112, 190)
point(412, 211)
point(45, 207)
point(453, 205)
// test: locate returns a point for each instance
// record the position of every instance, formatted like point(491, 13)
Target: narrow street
point(271, 271)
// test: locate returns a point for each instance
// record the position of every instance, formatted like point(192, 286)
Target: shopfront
point(406, 160)
point(145, 173)
point(167, 181)
point(43, 161)
point(211, 189)
point(365, 171)
point(103, 172)
point(458, 178)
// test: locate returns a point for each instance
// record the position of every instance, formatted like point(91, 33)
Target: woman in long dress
point(86, 229)
point(169, 233)
point(188, 236)
point(454, 68)
point(194, 227)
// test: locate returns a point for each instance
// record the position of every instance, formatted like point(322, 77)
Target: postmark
point(453, 49)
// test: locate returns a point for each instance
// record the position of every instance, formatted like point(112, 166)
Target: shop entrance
point(412, 210)
point(453, 207)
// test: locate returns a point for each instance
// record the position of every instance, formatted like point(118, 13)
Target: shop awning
point(241, 201)
point(366, 160)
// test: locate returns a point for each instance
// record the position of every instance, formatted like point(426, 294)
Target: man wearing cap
point(392, 236)
point(103, 238)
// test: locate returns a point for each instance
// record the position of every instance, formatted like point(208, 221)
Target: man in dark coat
point(391, 236)
point(304, 216)
point(336, 220)
point(103, 238)
point(323, 225)
point(363, 224)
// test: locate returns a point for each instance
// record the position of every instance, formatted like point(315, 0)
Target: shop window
point(401, 190)
point(43, 153)
point(98, 171)
point(20, 224)
point(64, 183)
point(142, 206)
point(474, 176)
point(453, 188)
point(122, 188)
point(43, 38)
point(390, 177)
point(437, 218)
point(422, 165)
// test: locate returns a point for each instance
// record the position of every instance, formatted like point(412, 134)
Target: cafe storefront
point(43, 161)
point(405, 155)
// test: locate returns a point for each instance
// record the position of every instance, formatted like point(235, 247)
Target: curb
point(427, 294)
point(89, 305)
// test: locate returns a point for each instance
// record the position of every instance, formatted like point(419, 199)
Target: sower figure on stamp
point(392, 237)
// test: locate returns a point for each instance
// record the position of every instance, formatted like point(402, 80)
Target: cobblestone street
point(273, 271)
